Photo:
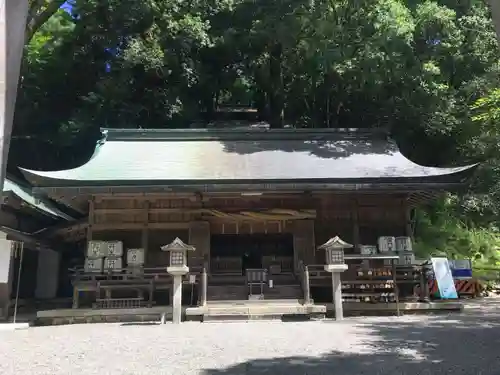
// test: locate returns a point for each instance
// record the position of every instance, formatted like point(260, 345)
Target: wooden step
point(226, 292)
point(283, 292)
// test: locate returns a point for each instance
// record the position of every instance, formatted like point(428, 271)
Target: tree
point(40, 12)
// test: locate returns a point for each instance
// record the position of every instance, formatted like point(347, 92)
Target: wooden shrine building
point(22, 217)
point(245, 199)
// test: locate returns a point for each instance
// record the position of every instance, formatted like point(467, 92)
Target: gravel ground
point(455, 344)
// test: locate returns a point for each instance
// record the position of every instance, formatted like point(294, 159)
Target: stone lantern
point(178, 268)
point(334, 263)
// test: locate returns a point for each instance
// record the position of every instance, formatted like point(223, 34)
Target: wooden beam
point(143, 196)
point(182, 210)
point(195, 196)
point(139, 226)
point(141, 210)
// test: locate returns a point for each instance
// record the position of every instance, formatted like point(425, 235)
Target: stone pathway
point(465, 343)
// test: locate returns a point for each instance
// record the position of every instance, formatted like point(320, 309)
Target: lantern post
point(334, 263)
point(177, 268)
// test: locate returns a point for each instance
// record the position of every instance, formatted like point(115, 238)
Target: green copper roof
point(24, 193)
point(126, 157)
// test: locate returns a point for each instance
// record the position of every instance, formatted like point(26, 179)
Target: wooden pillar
point(307, 286)
point(199, 237)
point(424, 287)
point(355, 225)
point(91, 219)
point(407, 215)
point(145, 231)
point(303, 242)
point(396, 289)
point(203, 283)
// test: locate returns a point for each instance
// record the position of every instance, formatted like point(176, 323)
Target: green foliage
point(443, 231)
point(426, 70)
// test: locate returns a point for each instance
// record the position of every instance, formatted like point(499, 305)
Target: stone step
point(250, 311)
point(262, 302)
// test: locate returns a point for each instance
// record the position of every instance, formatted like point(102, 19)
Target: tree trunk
point(276, 95)
point(39, 13)
point(495, 13)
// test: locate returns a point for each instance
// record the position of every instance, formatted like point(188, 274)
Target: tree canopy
point(428, 71)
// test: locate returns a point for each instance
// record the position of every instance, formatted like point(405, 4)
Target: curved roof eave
point(313, 157)
point(42, 205)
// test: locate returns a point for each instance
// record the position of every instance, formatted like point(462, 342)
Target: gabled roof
point(24, 194)
point(335, 243)
point(126, 157)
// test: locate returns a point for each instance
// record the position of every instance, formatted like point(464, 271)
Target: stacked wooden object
point(104, 256)
point(108, 256)
point(135, 261)
point(404, 248)
point(371, 285)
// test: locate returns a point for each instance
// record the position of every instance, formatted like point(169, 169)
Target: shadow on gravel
point(465, 344)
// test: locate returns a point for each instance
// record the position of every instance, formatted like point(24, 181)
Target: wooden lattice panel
point(119, 303)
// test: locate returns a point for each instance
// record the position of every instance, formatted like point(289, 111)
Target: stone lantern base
point(178, 270)
point(335, 267)
point(336, 270)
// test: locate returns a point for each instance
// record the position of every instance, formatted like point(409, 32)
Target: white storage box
point(403, 244)
point(114, 249)
point(112, 263)
point(368, 249)
point(386, 244)
point(93, 265)
point(135, 257)
point(407, 259)
point(96, 249)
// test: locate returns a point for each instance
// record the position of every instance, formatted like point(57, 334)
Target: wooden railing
point(135, 279)
point(318, 275)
